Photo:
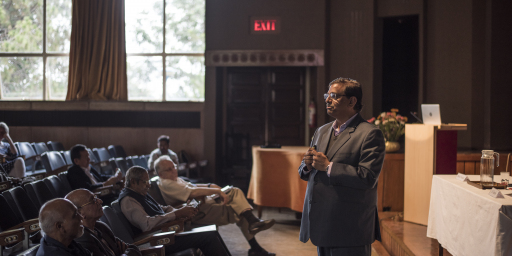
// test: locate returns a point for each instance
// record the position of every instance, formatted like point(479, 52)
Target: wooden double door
point(266, 103)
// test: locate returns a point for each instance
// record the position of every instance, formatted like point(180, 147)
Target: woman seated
point(10, 161)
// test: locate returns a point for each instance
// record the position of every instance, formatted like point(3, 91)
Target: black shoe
point(261, 252)
point(260, 226)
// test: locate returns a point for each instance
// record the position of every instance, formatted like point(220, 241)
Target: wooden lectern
point(429, 150)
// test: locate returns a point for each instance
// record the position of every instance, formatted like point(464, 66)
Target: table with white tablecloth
point(467, 220)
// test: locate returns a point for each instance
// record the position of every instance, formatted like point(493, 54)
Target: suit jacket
point(92, 242)
point(50, 246)
point(78, 179)
point(341, 210)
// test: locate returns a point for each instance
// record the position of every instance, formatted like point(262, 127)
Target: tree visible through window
point(165, 57)
point(30, 68)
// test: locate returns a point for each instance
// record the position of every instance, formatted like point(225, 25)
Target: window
point(165, 49)
point(34, 49)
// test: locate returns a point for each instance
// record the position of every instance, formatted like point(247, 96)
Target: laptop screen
point(431, 114)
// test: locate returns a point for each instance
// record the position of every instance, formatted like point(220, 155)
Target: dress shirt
point(337, 130)
point(138, 217)
point(88, 173)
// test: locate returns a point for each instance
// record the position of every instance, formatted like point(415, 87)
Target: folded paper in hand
point(225, 189)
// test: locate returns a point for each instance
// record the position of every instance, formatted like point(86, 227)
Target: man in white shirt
point(163, 149)
point(232, 207)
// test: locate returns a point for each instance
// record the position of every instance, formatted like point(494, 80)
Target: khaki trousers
point(218, 214)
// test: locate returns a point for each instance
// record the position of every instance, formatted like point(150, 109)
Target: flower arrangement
point(391, 124)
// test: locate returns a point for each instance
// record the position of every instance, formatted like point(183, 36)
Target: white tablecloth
point(466, 220)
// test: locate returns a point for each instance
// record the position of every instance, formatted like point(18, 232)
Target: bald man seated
point(144, 214)
point(61, 223)
point(98, 238)
point(231, 208)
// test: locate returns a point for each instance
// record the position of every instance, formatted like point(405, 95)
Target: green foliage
point(184, 34)
point(21, 31)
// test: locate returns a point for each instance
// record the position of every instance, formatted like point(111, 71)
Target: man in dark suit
point(342, 168)
point(82, 175)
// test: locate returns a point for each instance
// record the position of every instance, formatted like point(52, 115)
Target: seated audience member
point(144, 214)
point(61, 223)
point(233, 209)
point(98, 237)
point(82, 175)
point(10, 161)
point(162, 150)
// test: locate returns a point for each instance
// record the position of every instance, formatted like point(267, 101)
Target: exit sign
point(265, 25)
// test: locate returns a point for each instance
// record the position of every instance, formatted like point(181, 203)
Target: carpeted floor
point(282, 238)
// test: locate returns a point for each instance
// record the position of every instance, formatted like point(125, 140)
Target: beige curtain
point(97, 58)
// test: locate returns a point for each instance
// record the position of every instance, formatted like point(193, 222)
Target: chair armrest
point(10, 237)
point(30, 226)
point(165, 238)
point(175, 225)
point(104, 163)
point(38, 176)
point(5, 185)
point(35, 157)
point(58, 170)
point(153, 251)
point(103, 191)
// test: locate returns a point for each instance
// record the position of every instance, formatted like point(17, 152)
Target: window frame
point(44, 55)
point(163, 54)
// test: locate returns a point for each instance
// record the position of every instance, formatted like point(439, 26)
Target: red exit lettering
point(264, 25)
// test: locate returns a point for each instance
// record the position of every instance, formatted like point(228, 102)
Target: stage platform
point(401, 238)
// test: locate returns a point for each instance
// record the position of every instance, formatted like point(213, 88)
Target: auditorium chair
point(39, 147)
point(63, 177)
point(117, 151)
point(141, 161)
point(103, 156)
point(53, 162)
point(56, 186)
point(119, 163)
point(32, 159)
point(26, 206)
point(95, 162)
point(130, 161)
point(105, 193)
point(67, 157)
point(55, 146)
point(116, 217)
point(5, 184)
point(32, 251)
point(39, 191)
point(121, 228)
point(13, 229)
point(154, 191)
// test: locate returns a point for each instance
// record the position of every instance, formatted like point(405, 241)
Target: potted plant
point(393, 127)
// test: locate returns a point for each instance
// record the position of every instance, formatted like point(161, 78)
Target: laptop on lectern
point(431, 114)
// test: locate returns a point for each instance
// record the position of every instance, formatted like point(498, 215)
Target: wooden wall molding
point(251, 58)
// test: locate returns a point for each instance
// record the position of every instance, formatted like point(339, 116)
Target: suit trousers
point(365, 250)
point(219, 214)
